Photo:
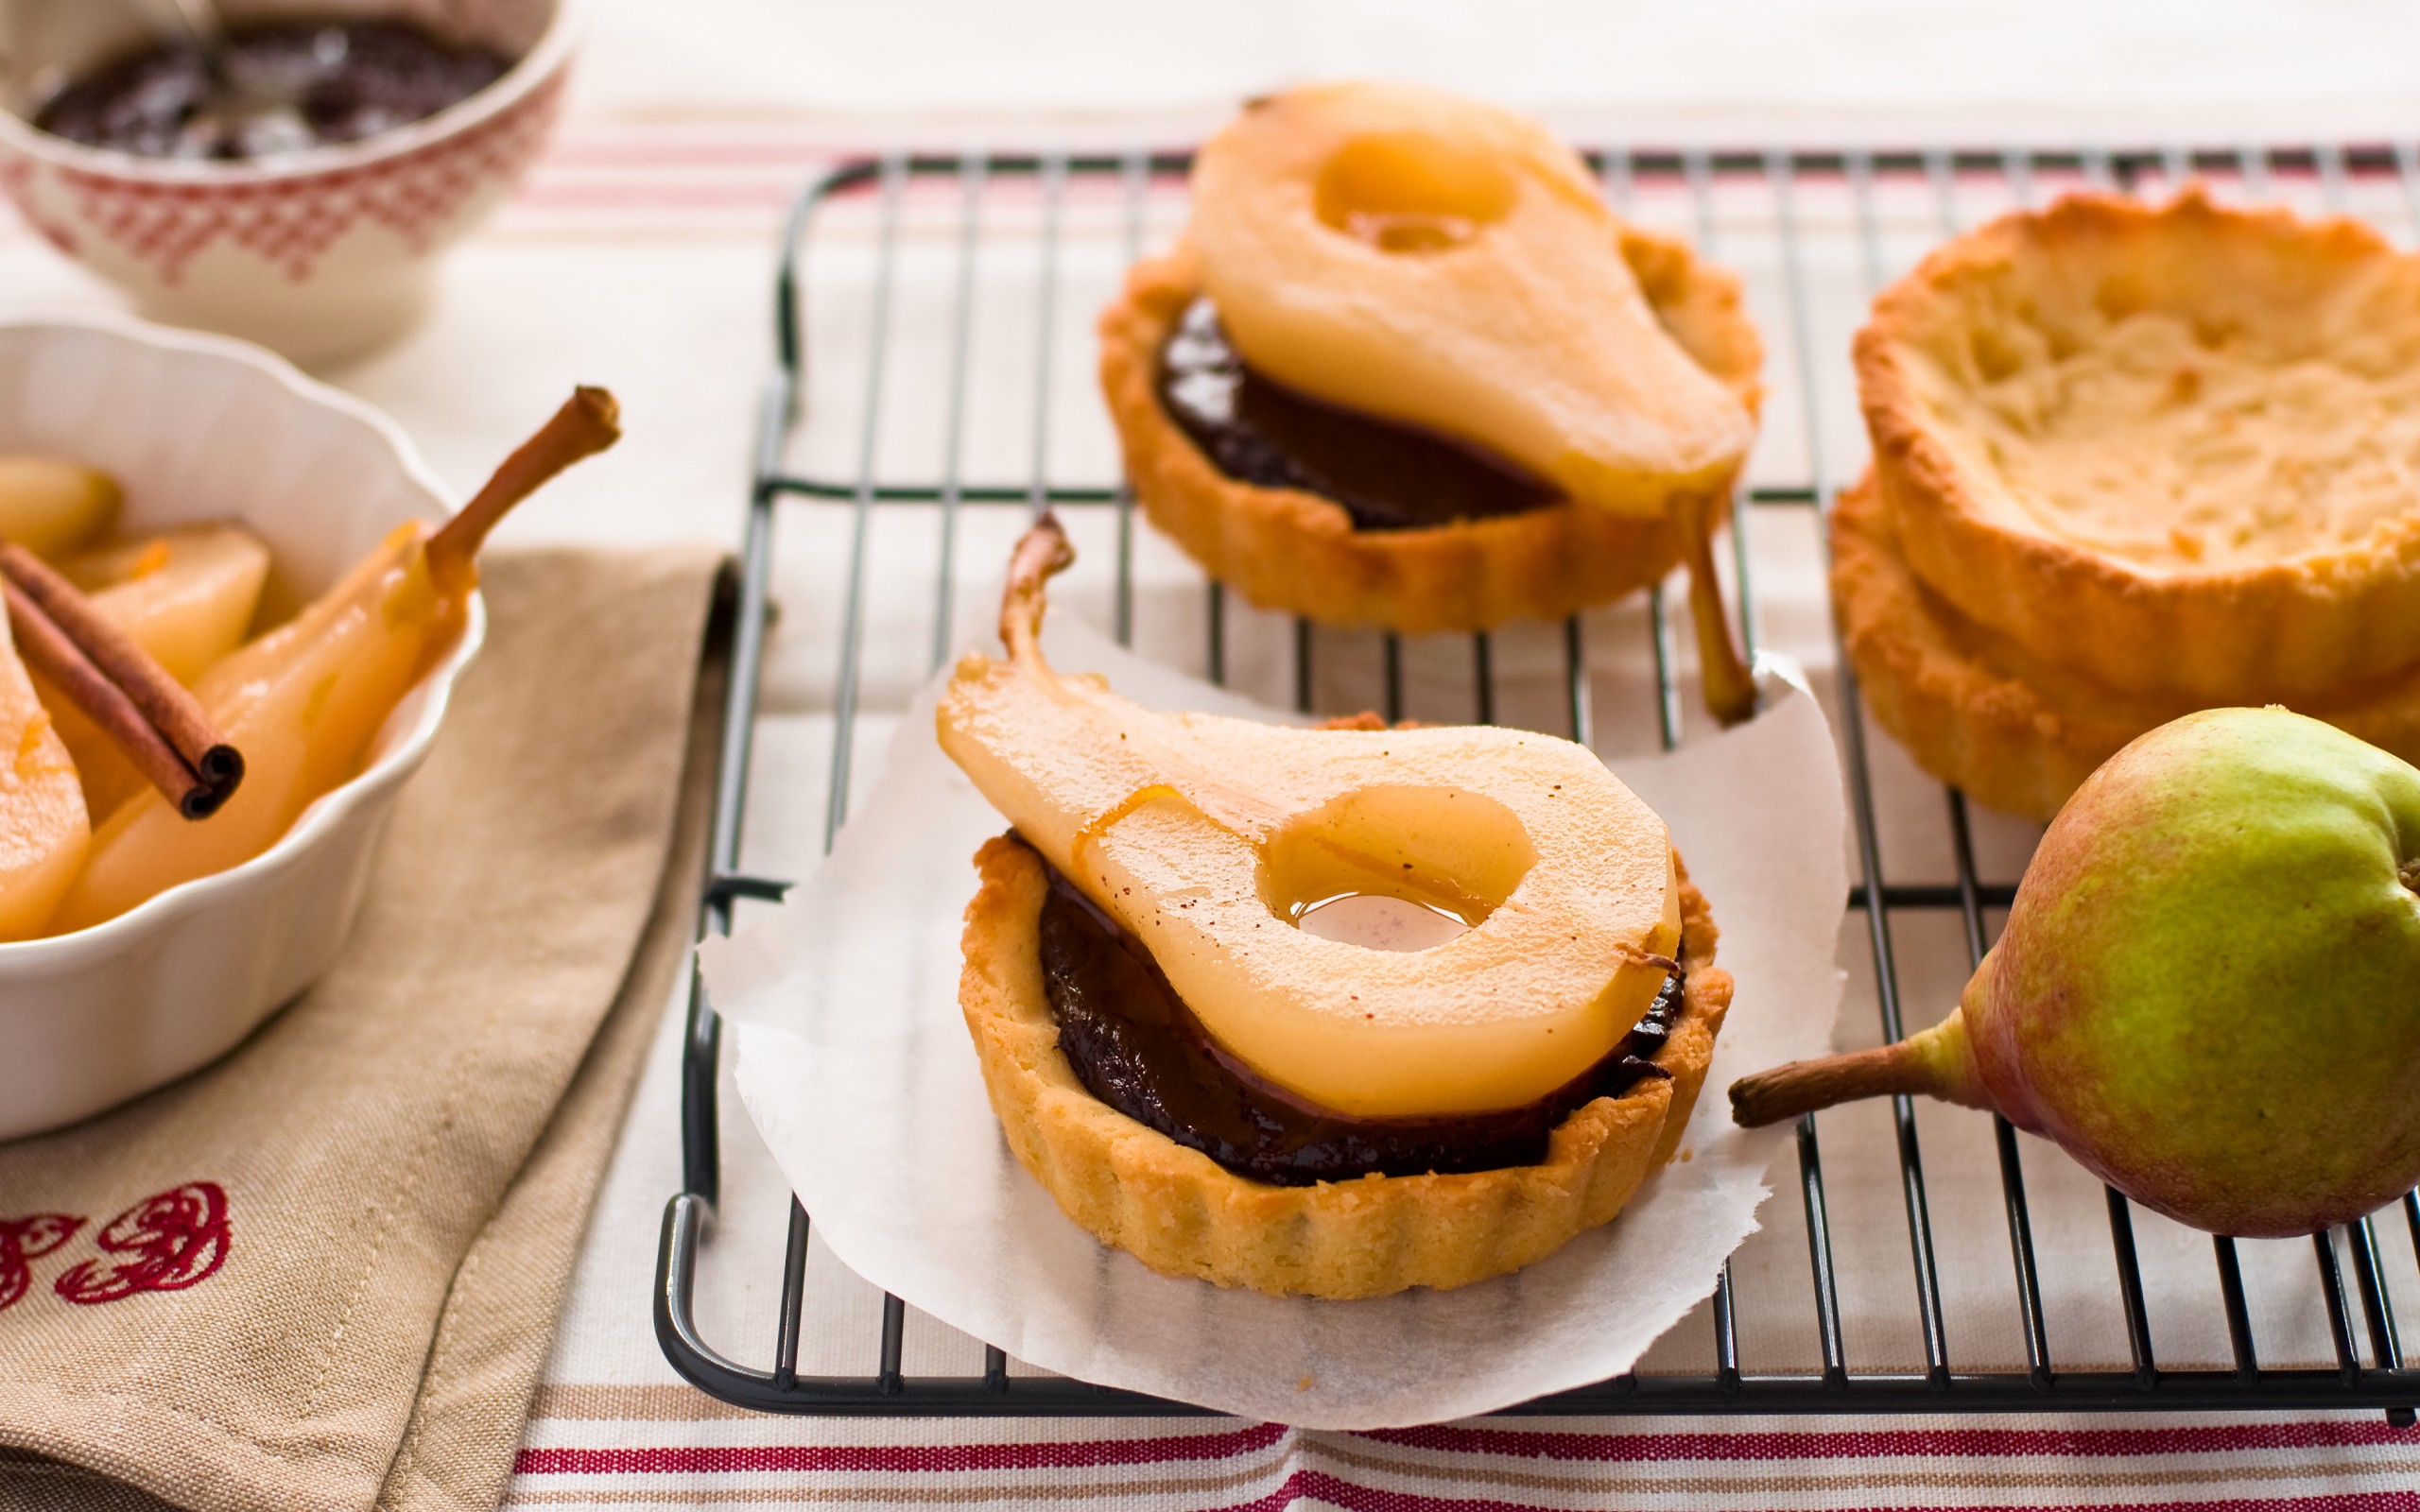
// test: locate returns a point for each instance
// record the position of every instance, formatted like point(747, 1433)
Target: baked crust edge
point(2018, 744)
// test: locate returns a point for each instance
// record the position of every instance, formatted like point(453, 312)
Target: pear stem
point(1934, 1063)
point(589, 421)
point(1730, 686)
point(1041, 554)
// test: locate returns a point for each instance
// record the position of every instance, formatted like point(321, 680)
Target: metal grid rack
point(2364, 1317)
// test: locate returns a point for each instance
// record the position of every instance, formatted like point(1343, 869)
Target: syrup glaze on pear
point(1200, 834)
point(2209, 990)
point(1431, 260)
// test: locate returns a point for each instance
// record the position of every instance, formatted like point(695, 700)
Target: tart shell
point(1979, 713)
point(1183, 1214)
point(2304, 625)
point(1295, 552)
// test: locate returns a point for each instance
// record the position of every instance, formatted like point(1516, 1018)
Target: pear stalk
point(1935, 1063)
point(1729, 686)
point(589, 421)
point(1042, 553)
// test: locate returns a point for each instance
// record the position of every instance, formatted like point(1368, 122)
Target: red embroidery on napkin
point(169, 1241)
point(23, 1240)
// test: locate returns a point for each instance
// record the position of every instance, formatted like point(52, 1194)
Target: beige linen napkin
point(323, 1273)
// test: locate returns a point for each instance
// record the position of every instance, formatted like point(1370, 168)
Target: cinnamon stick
point(48, 648)
point(589, 421)
point(170, 708)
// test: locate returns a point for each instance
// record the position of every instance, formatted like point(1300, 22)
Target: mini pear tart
point(1981, 712)
point(2165, 448)
point(1404, 369)
point(1183, 1214)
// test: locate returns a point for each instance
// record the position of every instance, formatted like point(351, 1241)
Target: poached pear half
point(2209, 990)
point(1207, 838)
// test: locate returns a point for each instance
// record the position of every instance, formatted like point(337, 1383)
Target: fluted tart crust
point(2167, 447)
point(1979, 713)
point(1182, 1215)
point(1298, 553)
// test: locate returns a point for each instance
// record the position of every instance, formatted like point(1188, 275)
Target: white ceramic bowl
point(199, 428)
point(320, 254)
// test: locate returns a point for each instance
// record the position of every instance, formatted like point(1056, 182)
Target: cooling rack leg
point(793, 1299)
point(2130, 1288)
point(2247, 1361)
point(2340, 1325)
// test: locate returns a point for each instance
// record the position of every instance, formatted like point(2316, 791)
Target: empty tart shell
point(2169, 448)
point(1295, 552)
point(1183, 1214)
point(1980, 714)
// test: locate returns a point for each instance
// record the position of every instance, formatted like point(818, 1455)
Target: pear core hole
point(1413, 192)
point(2409, 874)
point(1396, 867)
point(1380, 921)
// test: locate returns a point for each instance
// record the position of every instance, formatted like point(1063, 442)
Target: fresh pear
point(2209, 990)
point(1209, 838)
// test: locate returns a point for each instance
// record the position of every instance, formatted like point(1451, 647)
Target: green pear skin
point(2209, 990)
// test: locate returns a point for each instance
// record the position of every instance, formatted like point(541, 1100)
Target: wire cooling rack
point(826, 450)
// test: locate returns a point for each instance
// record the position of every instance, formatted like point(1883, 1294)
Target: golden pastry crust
point(1977, 712)
point(1182, 1215)
point(2165, 447)
point(1296, 552)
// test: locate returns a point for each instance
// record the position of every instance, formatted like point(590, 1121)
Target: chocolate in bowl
point(273, 86)
point(322, 253)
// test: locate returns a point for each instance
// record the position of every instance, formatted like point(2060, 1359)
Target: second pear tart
point(2168, 448)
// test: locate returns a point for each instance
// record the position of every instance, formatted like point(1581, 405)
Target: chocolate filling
point(1138, 1048)
point(1387, 476)
point(274, 86)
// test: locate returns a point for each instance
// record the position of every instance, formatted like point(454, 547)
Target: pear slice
point(44, 829)
point(1413, 254)
point(1205, 837)
point(1416, 255)
point(50, 505)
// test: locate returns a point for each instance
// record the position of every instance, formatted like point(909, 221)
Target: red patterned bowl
point(319, 254)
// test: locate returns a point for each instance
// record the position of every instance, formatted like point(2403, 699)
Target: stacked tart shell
point(2129, 462)
point(1296, 552)
point(1182, 1215)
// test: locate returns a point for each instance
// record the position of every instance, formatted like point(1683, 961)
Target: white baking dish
point(197, 428)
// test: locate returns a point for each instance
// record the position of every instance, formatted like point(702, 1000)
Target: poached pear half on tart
point(1405, 369)
point(1333, 1012)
